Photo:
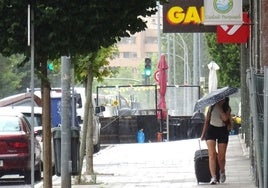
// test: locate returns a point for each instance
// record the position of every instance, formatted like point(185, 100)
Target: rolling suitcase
point(201, 163)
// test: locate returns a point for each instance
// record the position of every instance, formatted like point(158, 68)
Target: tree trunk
point(89, 139)
point(46, 124)
point(84, 136)
point(87, 136)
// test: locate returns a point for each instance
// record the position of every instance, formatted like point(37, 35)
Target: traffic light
point(148, 67)
point(50, 66)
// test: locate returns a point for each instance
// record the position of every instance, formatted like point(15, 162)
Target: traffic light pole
point(146, 80)
point(31, 44)
point(65, 124)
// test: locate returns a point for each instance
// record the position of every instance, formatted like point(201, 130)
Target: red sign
point(234, 33)
point(156, 75)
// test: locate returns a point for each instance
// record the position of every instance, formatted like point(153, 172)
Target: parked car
point(27, 111)
point(15, 146)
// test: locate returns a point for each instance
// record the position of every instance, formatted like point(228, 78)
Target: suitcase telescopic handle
point(199, 143)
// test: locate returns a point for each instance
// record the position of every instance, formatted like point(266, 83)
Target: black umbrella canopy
point(214, 97)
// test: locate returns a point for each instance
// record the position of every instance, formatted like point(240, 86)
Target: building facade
point(134, 49)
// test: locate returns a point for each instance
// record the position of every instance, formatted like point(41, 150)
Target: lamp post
point(182, 45)
point(186, 63)
point(158, 29)
point(178, 42)
point(31, 44)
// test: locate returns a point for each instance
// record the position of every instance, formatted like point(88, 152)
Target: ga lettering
point(176, 15)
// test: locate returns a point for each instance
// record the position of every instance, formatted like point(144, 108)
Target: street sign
point(156, 75)
point(219, 12)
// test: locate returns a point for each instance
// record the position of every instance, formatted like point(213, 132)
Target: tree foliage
point(13, 77)
point(95, 64)
point(69, 28)
point(227, 56)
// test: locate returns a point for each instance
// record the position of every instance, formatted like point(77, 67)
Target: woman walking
point(216, 134)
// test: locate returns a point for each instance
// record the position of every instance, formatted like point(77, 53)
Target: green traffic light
point(50, 66)
point(147, 72)
point(148, 67)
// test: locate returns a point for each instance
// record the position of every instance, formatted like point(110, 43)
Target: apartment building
point(134, 49)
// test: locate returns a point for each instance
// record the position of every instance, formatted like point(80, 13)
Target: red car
point(15, 147)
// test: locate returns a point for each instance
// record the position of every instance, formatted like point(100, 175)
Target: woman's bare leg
point(211, 144)
point(222, 147)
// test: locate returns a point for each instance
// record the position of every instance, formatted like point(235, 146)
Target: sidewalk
point(163, 165)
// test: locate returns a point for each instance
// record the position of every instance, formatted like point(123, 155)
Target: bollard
point(140, 136)
point(159, 137)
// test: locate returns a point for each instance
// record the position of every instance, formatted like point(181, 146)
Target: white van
point(80, 103)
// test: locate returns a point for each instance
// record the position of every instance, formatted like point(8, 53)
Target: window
point(128, 40)
point(151, 54)
point(151, 40)
point(10, 124)
point(129, 55)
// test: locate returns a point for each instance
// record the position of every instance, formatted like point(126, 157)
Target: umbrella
point(212, 77)
point(214, 97)
point(162, 81)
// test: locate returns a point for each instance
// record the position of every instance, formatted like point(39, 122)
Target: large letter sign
point(177, 15)
point(184, 16)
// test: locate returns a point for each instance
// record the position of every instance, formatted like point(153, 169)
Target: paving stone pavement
point(163, 165)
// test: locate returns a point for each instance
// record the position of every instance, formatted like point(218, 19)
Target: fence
point(256, 88)
point(180, 100)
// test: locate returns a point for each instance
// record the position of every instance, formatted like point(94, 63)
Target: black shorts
point(220, 134)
